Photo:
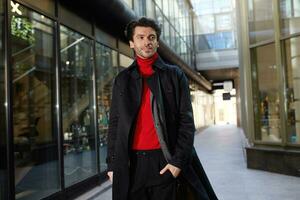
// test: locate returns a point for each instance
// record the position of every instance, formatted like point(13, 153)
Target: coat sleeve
point(186, 127)
point(112, 128)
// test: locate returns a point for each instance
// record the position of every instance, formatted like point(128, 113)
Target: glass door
point(77, 106)
point(35, 140)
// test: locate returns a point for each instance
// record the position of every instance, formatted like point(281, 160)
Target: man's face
point(144, 41)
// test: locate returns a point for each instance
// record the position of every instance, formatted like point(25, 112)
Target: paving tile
point(221, 151)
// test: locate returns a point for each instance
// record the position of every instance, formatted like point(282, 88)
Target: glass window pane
point(173, 11)
point(265, 94)
point(177, 43)
point(222, 6)
point(166, 7)
point(106, 69)
point(183, 51)
point(203, 7)
point(172, 38)
point(222, 40)
point(290, 16)
point(159, 16)
point(35, 139)
point(3, 130)
point(292, 55)
point(77, 106)
point(223, 22)
point(174, 20)
point(181, 24)
point(166, 32)
point(261, 25)
point(140, 7)
point(204, 28)
point(159, 3)
point(125, 61)
point(150, 9)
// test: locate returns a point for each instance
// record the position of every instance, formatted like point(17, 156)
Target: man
point(151, 127)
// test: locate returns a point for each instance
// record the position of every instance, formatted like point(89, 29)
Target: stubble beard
point(144, 54)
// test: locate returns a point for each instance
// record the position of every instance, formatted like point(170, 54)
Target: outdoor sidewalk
point(220, 149)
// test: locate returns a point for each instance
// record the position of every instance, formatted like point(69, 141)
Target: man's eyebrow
point(140, 34)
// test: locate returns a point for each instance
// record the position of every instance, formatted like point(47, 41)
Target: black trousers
point(146, 183)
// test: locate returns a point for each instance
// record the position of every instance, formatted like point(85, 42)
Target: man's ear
point(157, 44)
point(131, 44)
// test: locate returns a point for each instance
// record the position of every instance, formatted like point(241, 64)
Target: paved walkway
point(221, 151)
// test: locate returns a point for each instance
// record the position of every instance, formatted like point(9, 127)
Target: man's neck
point(145, 64)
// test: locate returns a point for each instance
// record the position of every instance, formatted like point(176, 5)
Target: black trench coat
point(170, 87)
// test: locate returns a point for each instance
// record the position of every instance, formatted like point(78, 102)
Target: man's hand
point(110, 175)
point(174, 170)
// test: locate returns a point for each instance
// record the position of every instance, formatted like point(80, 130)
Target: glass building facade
point(34, 136)
point(214, 25)
point(271, 54)
point(3, 110)
point(57, 71)
point(61, 81)
point(275, 81)
point(215, 35)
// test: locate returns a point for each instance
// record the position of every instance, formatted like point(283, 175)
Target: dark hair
point(144, 22)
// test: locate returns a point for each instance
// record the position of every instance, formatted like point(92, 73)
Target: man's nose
point(148, 42)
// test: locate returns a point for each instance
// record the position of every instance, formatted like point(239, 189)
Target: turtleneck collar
point(145, 65)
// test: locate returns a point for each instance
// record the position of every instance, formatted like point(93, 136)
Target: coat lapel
point(155, 87)
point(133, 98)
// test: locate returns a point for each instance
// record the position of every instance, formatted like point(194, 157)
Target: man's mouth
point(149, 49)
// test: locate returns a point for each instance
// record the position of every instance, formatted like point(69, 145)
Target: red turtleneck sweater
point(145, 137)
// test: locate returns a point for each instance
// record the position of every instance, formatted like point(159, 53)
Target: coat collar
point(133, 71)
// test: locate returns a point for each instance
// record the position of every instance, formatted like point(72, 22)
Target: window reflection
point(204, 24)
point(292, 55)
point(140, 7)
point(224, 22)
point(265, 94)
point(77, 106)
point(159, 3)
point(214, 25)
point(159, 16)
point(290, 16)
point(173, 7)
point(166, 33)
point(222, 40)
point(176, 23)
point(35, 141)
point(165, 7)
point(125, 61)
point(261, 25)
point(106, 70)
point(172, 38)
